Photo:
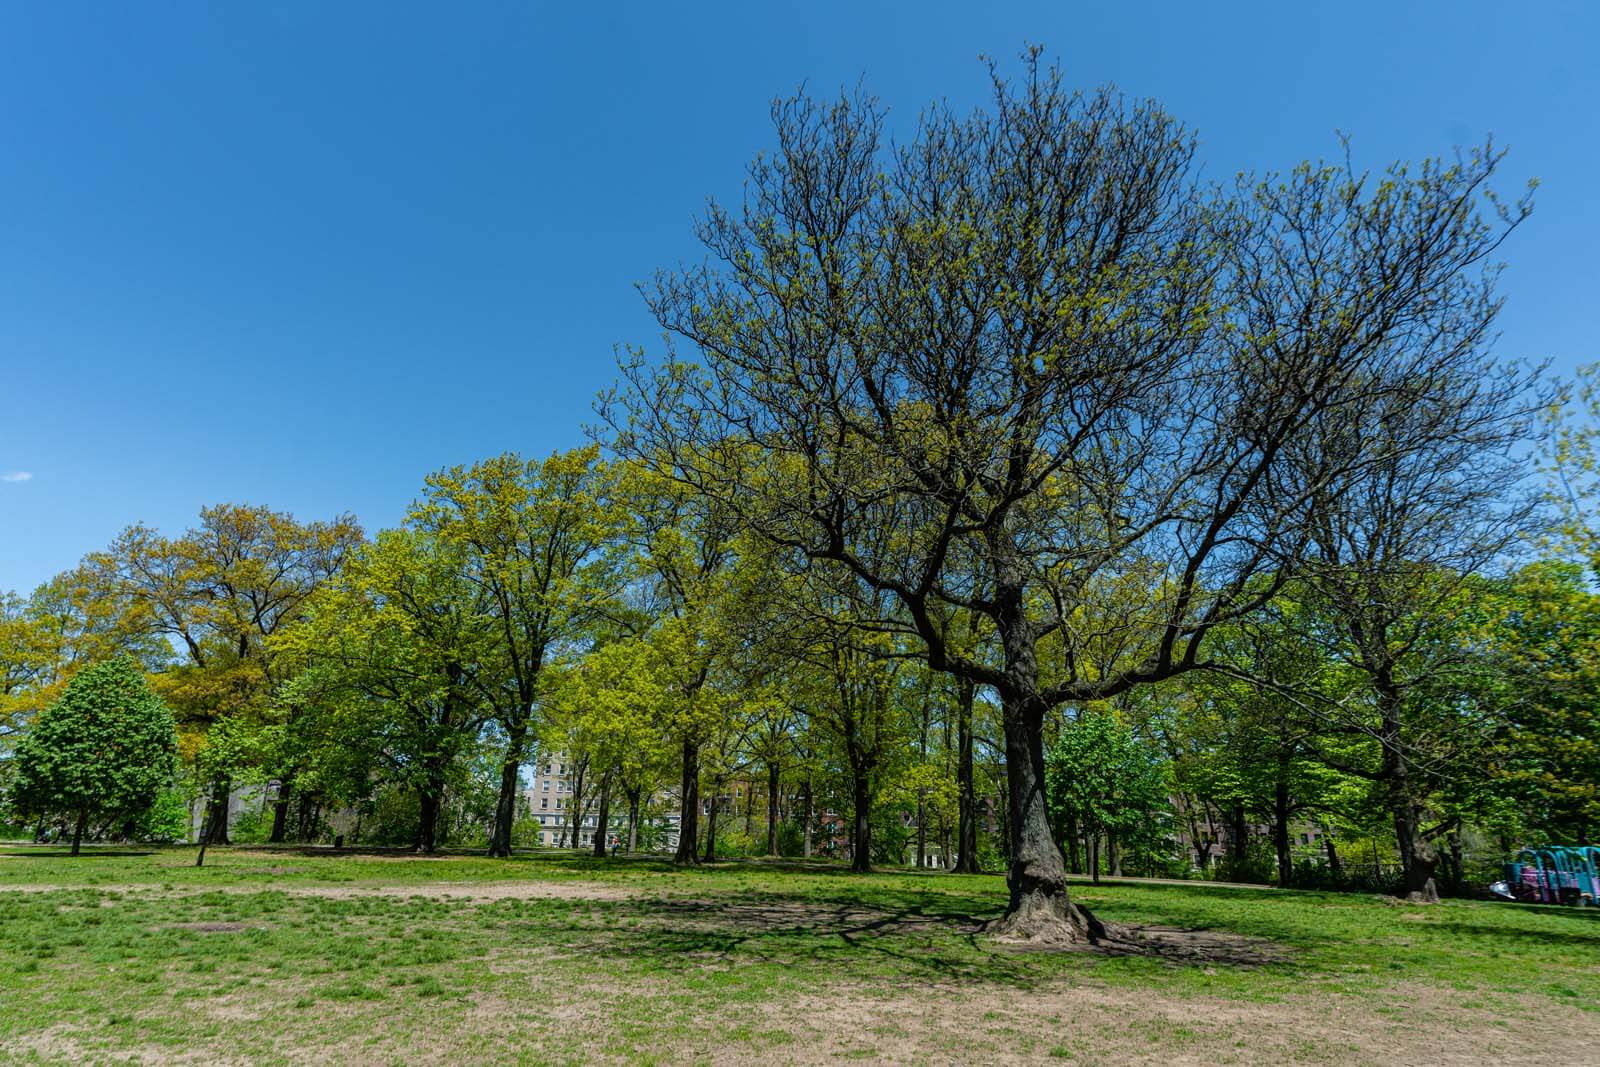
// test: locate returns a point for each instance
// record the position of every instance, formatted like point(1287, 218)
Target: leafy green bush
point(167, 820)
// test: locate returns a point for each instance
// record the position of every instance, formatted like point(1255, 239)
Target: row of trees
point(1007, 445)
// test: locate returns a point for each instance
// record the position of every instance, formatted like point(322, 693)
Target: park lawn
point(289, 956)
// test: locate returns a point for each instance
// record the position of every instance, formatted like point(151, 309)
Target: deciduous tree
point(104, 750)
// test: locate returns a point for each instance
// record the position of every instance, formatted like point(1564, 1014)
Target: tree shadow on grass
point(929, 939)
point(1585, 939)
point(1197, 889)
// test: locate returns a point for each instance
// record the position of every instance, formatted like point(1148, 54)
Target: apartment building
point(553, 790)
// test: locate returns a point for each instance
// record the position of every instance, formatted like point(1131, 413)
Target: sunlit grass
point(286, 955)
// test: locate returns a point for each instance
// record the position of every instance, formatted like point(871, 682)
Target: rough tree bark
point(428, 807)
point(280, 812)
point(219, 813)
point(1280, 823)
point(505, 809)
point(967, 801)
point(427, 821)
point(711, 821)
point(1074, 864)
point(635, 796)
point(1039, 907)
point(602, 831)
point(1418, 858)
point(689, 806)
point(861, 828)
point(772, 807)
point(806, 815)
point(575, 803)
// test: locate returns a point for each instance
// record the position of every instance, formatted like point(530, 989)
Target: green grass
point(283, 957)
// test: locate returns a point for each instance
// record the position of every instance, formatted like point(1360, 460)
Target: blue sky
point(301, 254)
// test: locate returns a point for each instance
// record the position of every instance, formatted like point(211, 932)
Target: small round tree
point(104, 750)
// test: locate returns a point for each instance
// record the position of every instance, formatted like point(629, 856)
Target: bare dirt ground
point(471, 891)
point(1121, 1026)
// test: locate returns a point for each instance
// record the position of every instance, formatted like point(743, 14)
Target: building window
point(544, 802)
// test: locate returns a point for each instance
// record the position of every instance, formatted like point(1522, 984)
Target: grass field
point(293, 956)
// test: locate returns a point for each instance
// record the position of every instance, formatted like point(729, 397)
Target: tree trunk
point(1417, 857)
point(428, 805)
point(922, 805)
point(308, 817)
point(207, 829)
point(1094, 858)
point(749, 807)
point(575, 803)
point(772, 807)
point(219, 812)
point(505, 808)
point(711, 822)
point(602, 830)
point(967, 801)
point(1071, 837)
point(1335, 865)
point(689, 805)
point(77, 831)
point(280, 812)
point(922, 834)
point(1238, 838)
point(1202, 842)
point(805, 819)
point(1280, 825)
point(427, 819)
point(1039, 907)
point(1457, 871)
point(1114, 855)
point(861, 832)
point(635, 795)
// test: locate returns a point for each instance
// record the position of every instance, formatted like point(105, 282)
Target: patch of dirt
point(65, 1044)
point(210, 928)
point(1115, 1026)
point(765, 916)
point(473, 891)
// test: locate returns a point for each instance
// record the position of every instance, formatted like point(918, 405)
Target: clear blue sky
point(301, 254)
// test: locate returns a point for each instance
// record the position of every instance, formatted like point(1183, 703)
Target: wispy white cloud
point(16, 476)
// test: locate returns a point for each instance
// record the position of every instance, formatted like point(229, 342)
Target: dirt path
point(473, 891)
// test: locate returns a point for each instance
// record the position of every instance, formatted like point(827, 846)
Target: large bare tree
point(1071, 384)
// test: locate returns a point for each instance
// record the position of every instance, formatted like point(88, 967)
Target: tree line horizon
point(1012, 435)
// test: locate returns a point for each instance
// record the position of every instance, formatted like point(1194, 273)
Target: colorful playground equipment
point(1553, 874)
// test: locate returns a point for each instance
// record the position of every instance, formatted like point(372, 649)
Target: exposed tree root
point(1045, 926)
